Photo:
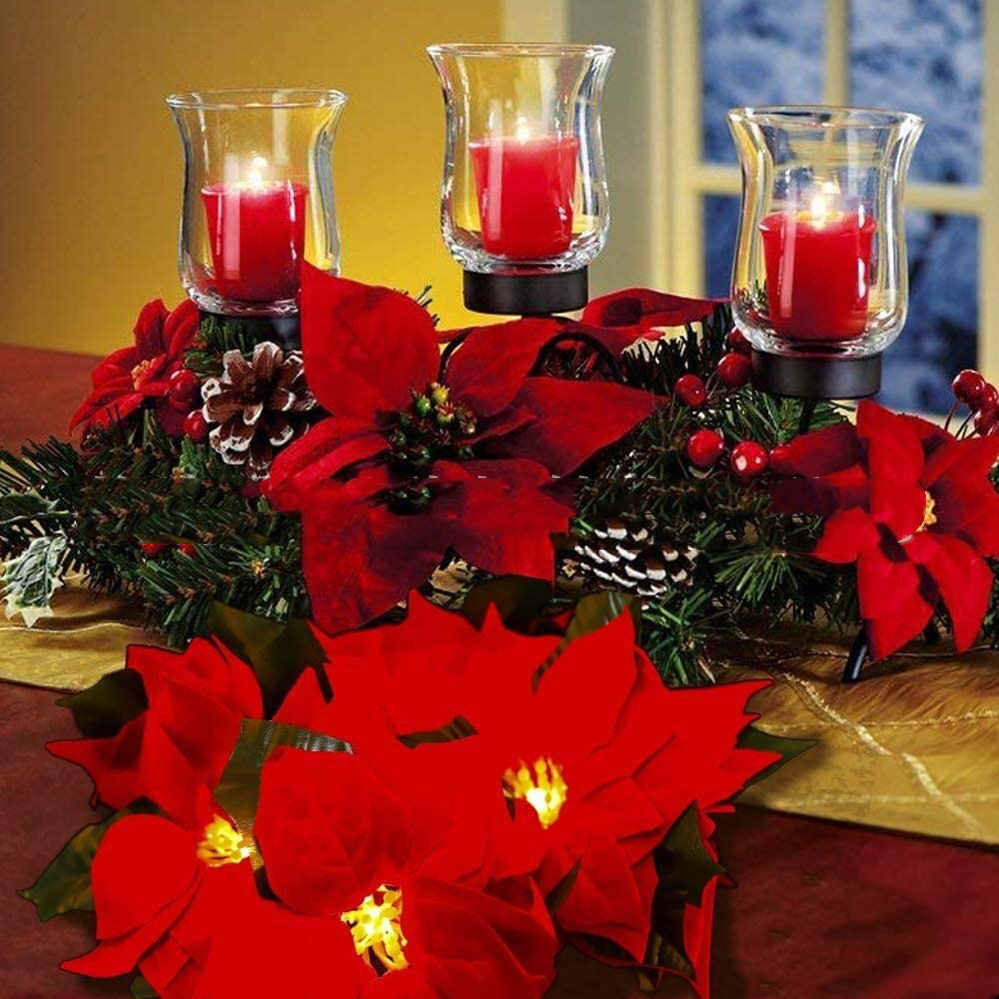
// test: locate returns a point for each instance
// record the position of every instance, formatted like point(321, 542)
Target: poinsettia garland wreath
point(625, 452)
point(434, 810)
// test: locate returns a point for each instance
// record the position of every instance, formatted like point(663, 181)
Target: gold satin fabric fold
point(913, 747)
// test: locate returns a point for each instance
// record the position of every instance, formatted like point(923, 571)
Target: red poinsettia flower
point(633, 313)
point(180, 744)
point(909, 503)
point(162, 891)
point(375, 854)
point(596, 759)
point(129, 377)
point(422, 456)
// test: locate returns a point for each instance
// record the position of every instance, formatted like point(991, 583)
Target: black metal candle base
point(526, 294)
point(285, 331)
point(832, 377)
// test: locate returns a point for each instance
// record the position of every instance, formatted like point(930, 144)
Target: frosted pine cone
point(256, 405)
point(629, 553)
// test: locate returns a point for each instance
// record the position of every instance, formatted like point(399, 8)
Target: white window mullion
point(988, 273)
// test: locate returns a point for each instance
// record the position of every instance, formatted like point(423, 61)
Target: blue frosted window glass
point(755, 52)
point(941, 331)
point(925, 56)
point(721, 225)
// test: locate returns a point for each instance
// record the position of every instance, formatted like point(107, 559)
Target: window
point(682, 64)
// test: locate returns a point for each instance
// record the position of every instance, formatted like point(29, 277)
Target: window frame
point(678, 179)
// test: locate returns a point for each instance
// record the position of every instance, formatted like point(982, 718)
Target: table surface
point(820, 909)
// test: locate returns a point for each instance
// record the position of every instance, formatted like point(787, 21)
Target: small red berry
point(736, 340)
point(186, 548)
point(734, 369)
point(152, 548)
point(690, 389)
point(986, 421)
point(182, 391)
point(748, 460)
point(968, 387)
point(196, 426)
point(988, 399)
point(704, 448)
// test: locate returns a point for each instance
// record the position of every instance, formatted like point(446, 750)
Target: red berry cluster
point(981, 397)
point(705, 447)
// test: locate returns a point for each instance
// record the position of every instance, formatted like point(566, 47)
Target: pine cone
point(256, 405)
point(630, 553)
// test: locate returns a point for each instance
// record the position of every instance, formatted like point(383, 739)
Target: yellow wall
point(91, 161)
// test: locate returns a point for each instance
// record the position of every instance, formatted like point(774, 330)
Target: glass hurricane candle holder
point(524, 203)
point(258, 195)
point(819, 282)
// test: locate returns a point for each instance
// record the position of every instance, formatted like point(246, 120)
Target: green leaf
point(683, 861)
point(788, 749)
point(597, 609)
point(141, 989)
point(64, 886)
point(238, 790)
point(518, 599)
point(30, 579)
point(100, 711)
point(277, 651)
point(685, 868)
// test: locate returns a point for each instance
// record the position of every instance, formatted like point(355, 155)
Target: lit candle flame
point(255, 178)
point(823, 202)
point(523, 131)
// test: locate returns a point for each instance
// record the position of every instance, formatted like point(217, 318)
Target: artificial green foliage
point(100, 711)
point(132, 485)
point(752, 561)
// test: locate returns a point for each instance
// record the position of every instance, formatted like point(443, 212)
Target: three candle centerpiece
point(819, 282)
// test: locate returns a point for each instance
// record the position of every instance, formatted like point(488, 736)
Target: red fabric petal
point(365, 348)
point(180, 328)
point(489, 368)
point(144, 862)
point(891, 602)
point(644, 307)
point(328, 448)
point(149, 329)
point(573, 420)
point(605, 900)
point(963, 578)
point(497, 516)
point(473, 944)
point(360, 558)
point(120, 955)
point(820, 452)
point(846, 536)
point(331, 832)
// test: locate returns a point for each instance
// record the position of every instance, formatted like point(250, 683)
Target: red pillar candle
point(525, 189)
point(818, 273)
point(257, 233)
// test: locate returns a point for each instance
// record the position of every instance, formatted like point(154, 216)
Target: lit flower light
point(376, 926)
point(545, 791)
point(222, 844)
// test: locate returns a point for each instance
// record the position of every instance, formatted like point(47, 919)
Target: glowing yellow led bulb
point(545, 791)
point(376, 926)
point(221, 844)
